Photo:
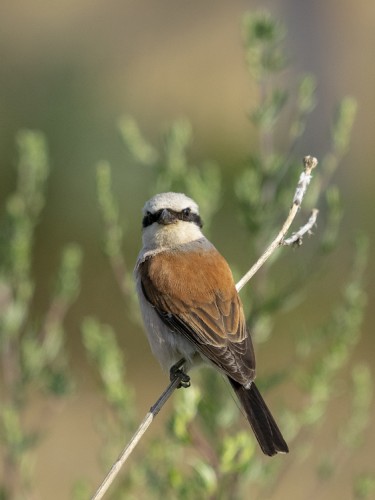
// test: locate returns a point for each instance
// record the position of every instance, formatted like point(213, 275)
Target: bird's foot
point(177, 372)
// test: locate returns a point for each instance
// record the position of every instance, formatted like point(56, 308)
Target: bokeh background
point(71, 69)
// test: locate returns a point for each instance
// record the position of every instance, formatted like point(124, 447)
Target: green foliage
point(342, 125)
point(263, 37)
point(364, 486)
point(114, 237)
point(170, 170)
point(140, 149)
point(362, 389)
point(100, 342)
point(109, 211)
point(305, 104)
point(32, 353)
point(331, 347)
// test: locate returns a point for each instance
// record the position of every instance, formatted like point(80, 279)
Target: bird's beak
point(166, 217)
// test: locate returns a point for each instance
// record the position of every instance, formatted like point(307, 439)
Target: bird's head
point(169, 220)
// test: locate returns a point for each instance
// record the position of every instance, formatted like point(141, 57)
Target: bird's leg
point(177, 372)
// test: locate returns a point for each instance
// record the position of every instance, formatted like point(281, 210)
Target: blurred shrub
point(32, 351)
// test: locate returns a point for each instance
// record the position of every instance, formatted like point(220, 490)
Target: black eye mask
point(186, 215)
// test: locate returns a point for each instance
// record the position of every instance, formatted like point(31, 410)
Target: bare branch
point(124, 455)
point(297, 237)
point(309, 164)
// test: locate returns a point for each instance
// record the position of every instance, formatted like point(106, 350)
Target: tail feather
point(262, 422)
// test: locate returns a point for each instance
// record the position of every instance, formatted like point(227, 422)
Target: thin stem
point(297, 237)
point(124, 455)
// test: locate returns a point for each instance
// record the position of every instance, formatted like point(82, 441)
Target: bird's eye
point(148, 219)
point(186, 212)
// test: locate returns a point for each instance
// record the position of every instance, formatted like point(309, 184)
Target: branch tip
point(309, 162)
point(296, 239)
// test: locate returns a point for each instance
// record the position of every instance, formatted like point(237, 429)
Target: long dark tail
point(264, 426)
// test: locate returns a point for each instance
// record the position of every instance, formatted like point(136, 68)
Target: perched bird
point(192, 311)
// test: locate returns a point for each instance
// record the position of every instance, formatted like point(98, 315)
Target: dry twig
point(309, 163)
point(154, 410)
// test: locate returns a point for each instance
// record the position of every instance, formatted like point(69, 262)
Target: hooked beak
point(166, 217)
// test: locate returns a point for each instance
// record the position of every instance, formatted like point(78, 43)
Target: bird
point(191, 309)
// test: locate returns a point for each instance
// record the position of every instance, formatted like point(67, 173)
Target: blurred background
point(71, 69)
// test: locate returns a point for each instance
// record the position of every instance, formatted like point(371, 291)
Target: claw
point(176, 372)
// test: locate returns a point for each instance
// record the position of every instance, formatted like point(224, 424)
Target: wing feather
point(205, 307)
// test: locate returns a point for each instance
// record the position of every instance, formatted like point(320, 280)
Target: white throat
point(158, 236)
